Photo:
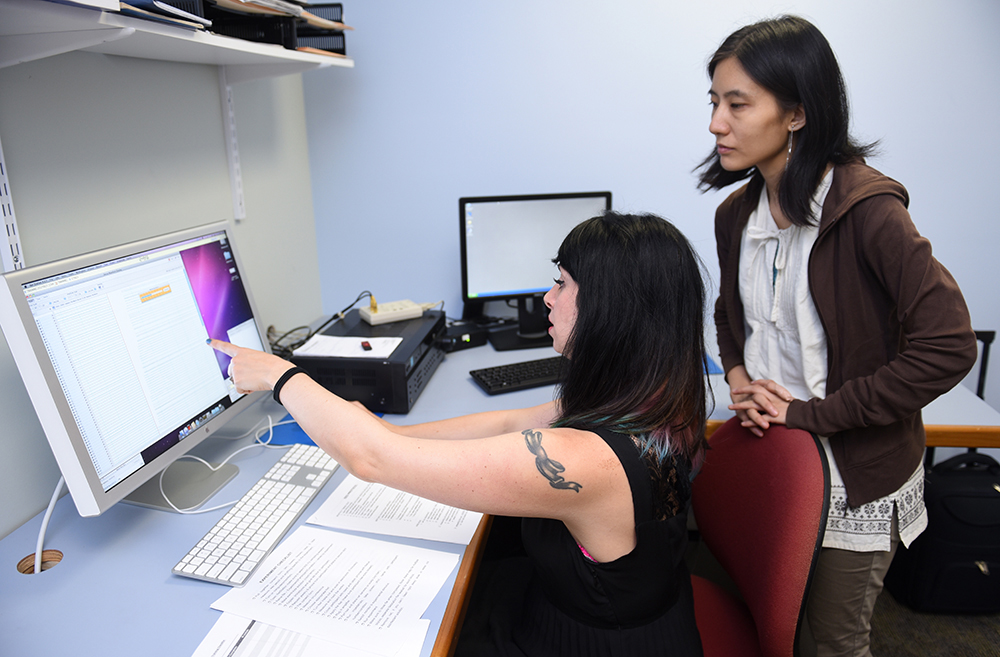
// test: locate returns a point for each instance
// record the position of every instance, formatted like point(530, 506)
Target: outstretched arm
point(476, 425)
point(565, 474)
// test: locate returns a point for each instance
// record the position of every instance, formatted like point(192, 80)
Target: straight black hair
point(637, 352)
point(790, 57)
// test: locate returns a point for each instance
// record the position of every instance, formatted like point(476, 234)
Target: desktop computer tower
point(383, 385)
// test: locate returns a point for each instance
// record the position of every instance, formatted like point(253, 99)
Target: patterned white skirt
point(868, 528)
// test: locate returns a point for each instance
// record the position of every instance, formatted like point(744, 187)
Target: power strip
point(394, 311)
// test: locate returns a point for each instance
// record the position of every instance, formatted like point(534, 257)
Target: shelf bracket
point(21, 48)
point(10, 254)
point(232, 146)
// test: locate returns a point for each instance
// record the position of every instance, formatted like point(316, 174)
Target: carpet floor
point(898, 631)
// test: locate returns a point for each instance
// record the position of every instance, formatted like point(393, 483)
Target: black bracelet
point(283, 379)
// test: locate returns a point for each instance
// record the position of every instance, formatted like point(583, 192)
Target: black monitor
point(507, 246)
point(112, 349)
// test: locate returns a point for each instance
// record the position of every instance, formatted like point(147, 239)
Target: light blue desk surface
point(113, 594)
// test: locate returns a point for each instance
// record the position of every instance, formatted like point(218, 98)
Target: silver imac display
point(112, 349)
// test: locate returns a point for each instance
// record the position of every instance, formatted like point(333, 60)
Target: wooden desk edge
point(454, 613)
point(938, 435)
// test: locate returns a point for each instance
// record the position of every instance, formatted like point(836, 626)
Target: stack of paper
point(325, 592)
point(366, 507)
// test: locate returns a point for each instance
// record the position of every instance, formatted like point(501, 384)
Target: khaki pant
point(842, 597)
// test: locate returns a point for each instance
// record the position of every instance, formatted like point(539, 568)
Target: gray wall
point(456, 98)
point(101, 150)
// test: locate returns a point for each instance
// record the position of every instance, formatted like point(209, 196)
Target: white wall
point(456, 98)
point(102, 150)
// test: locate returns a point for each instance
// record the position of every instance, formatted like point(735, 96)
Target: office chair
point(760, 505)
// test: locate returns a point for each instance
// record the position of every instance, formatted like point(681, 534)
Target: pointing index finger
point(224, 347)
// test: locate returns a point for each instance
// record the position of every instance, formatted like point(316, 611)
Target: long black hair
point(636, 352)
point(790, 57)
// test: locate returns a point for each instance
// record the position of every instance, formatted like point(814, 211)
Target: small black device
point(519, 376)
point(383, 385)
point(462, 335)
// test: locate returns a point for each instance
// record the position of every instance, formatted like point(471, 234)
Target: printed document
point(348, 347)
point(360, 592)
point(234, 636)
point(366, 507)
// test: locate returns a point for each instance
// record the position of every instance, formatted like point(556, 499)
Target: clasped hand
point(760, 403)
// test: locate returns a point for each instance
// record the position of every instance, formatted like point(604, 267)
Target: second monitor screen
point(509, 242)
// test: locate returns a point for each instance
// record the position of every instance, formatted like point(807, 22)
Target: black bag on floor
point(954, 565)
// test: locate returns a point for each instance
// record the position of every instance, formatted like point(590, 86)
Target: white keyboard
point(230, 551)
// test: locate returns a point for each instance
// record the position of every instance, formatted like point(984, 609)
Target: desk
point(113, 594)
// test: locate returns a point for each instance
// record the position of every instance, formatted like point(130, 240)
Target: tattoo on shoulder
point(550, 469)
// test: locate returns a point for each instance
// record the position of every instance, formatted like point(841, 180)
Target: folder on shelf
point(189, 10)
point(130, 9)
point(287, 31)
point(278, 8)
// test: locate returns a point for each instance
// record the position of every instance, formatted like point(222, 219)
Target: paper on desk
point(356, 591)
point(348, 346)
point(235, 636)
point(367, 507)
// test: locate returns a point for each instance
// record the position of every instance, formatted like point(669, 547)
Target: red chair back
point(760, 505)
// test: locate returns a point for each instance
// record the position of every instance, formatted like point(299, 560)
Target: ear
point(798, 118)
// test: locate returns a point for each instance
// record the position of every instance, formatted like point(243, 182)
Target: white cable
point(45, 524)
point(267, 443)
point(257, 443)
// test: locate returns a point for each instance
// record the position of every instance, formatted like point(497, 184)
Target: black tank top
point(638, 604)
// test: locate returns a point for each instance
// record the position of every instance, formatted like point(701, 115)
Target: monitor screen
point(112, 349)
point(507, 247)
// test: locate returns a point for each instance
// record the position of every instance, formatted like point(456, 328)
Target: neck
point(772, 201)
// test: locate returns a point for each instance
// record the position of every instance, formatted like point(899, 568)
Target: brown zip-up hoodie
point(897, 327)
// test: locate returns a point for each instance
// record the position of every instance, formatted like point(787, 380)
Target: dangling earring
point(789, 156)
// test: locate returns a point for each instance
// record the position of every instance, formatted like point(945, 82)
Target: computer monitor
point(507, 246)
point(112, 349)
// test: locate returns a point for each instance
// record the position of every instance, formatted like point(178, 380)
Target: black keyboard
point(519, 376)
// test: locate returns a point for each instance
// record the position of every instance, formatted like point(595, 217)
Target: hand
point(760, 403)
point(252, 370)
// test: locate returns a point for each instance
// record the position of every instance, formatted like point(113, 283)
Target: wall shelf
point(35, 29)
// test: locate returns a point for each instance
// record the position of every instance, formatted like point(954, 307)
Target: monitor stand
point(532, 328)
point(189, 484)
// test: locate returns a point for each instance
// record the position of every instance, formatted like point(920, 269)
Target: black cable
point(285, 351)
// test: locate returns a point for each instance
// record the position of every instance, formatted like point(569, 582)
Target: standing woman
point(833, 316)
point(600, 476)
